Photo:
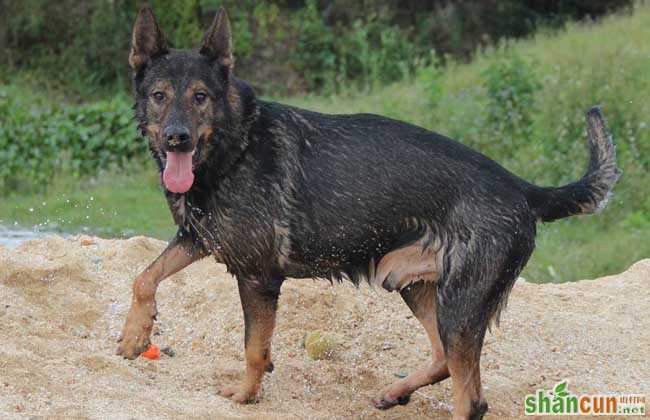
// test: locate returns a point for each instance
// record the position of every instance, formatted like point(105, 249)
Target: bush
point(38, 140)
point(510, 84)
point(374, 53)
point(287, 45)
point(99, 136)
point(315, 54)
point(429, 75)
point(28, 144)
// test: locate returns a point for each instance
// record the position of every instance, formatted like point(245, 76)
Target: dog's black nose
point(176, 135)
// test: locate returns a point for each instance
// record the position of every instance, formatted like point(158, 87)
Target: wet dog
point(274, 191)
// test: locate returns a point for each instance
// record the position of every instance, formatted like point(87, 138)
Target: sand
point(63, 301)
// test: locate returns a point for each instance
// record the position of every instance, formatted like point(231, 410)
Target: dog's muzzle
point(177, 139)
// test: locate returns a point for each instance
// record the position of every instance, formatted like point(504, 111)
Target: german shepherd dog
point(274, 191)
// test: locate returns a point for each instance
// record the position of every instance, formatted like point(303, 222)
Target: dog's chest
point(195, 219)
point(243, 236)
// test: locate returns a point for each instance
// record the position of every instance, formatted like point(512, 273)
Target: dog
point(274, 191)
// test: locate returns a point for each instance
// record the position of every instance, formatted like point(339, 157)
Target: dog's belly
point(321, 254)
point(393, 260)
point(420, 260)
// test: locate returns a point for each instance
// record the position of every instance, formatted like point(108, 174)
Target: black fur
point(339, 190)
point(285, 192)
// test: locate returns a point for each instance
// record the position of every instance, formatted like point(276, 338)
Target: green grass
point(588, 64)
point(110, 205)
point(581, 248)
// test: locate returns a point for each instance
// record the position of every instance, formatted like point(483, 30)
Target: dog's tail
point(591, 193)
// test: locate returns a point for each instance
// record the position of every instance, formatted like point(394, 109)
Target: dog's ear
point(148, 40)
point(217, 41)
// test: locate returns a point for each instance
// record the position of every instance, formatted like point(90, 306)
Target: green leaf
point(560, 388)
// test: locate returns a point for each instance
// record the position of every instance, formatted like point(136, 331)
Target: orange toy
point(153, 352)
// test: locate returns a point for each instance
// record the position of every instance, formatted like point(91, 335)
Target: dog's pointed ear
point(217, 41)
point(148, 40)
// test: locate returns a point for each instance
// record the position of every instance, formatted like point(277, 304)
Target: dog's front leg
point(181, 252)
point(259, 300)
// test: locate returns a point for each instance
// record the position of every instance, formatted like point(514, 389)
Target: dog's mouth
point(178, 175)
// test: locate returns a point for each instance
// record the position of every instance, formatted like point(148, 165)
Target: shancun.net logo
point(559, 401)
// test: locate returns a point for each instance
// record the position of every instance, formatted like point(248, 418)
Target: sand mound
point(62, 304)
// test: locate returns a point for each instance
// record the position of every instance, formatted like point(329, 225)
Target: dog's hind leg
point(470, 295)
point(466, 298)
point(420, 297)
point(259, 301)
point(463, 358)
point(181, 252)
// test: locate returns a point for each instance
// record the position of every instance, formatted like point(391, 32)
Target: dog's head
point(188, 105)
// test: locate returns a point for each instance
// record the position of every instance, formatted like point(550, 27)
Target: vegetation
point(38, 138)
point(291, 45)
point(110, 204)
point(521, 103)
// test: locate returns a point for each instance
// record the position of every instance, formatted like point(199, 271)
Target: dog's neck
point(236, 139)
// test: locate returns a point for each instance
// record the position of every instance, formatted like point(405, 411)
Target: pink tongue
point(178, 176)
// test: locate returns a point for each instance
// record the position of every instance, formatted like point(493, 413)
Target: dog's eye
point(158, 96)
point(199, 97)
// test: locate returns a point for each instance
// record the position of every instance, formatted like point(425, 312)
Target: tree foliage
point(283, 46)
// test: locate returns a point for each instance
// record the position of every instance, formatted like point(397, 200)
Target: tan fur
point(460, 362)
point(152, 130)
point(259, 315)
point(422, 303)
point(403, 266)
point(201, 115)
point(159, 112)
point(194, 87)
point(164, 86)
point(234, 100)
point(466, 383)
point(139, 322)
point(283, 244)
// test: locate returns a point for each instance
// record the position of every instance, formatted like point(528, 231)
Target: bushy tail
point(591, 193)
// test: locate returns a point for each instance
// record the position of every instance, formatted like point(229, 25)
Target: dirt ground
point(63, 301)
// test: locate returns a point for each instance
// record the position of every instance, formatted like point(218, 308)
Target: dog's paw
point(241, 394)
point(134, 339)
point(383, 403)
